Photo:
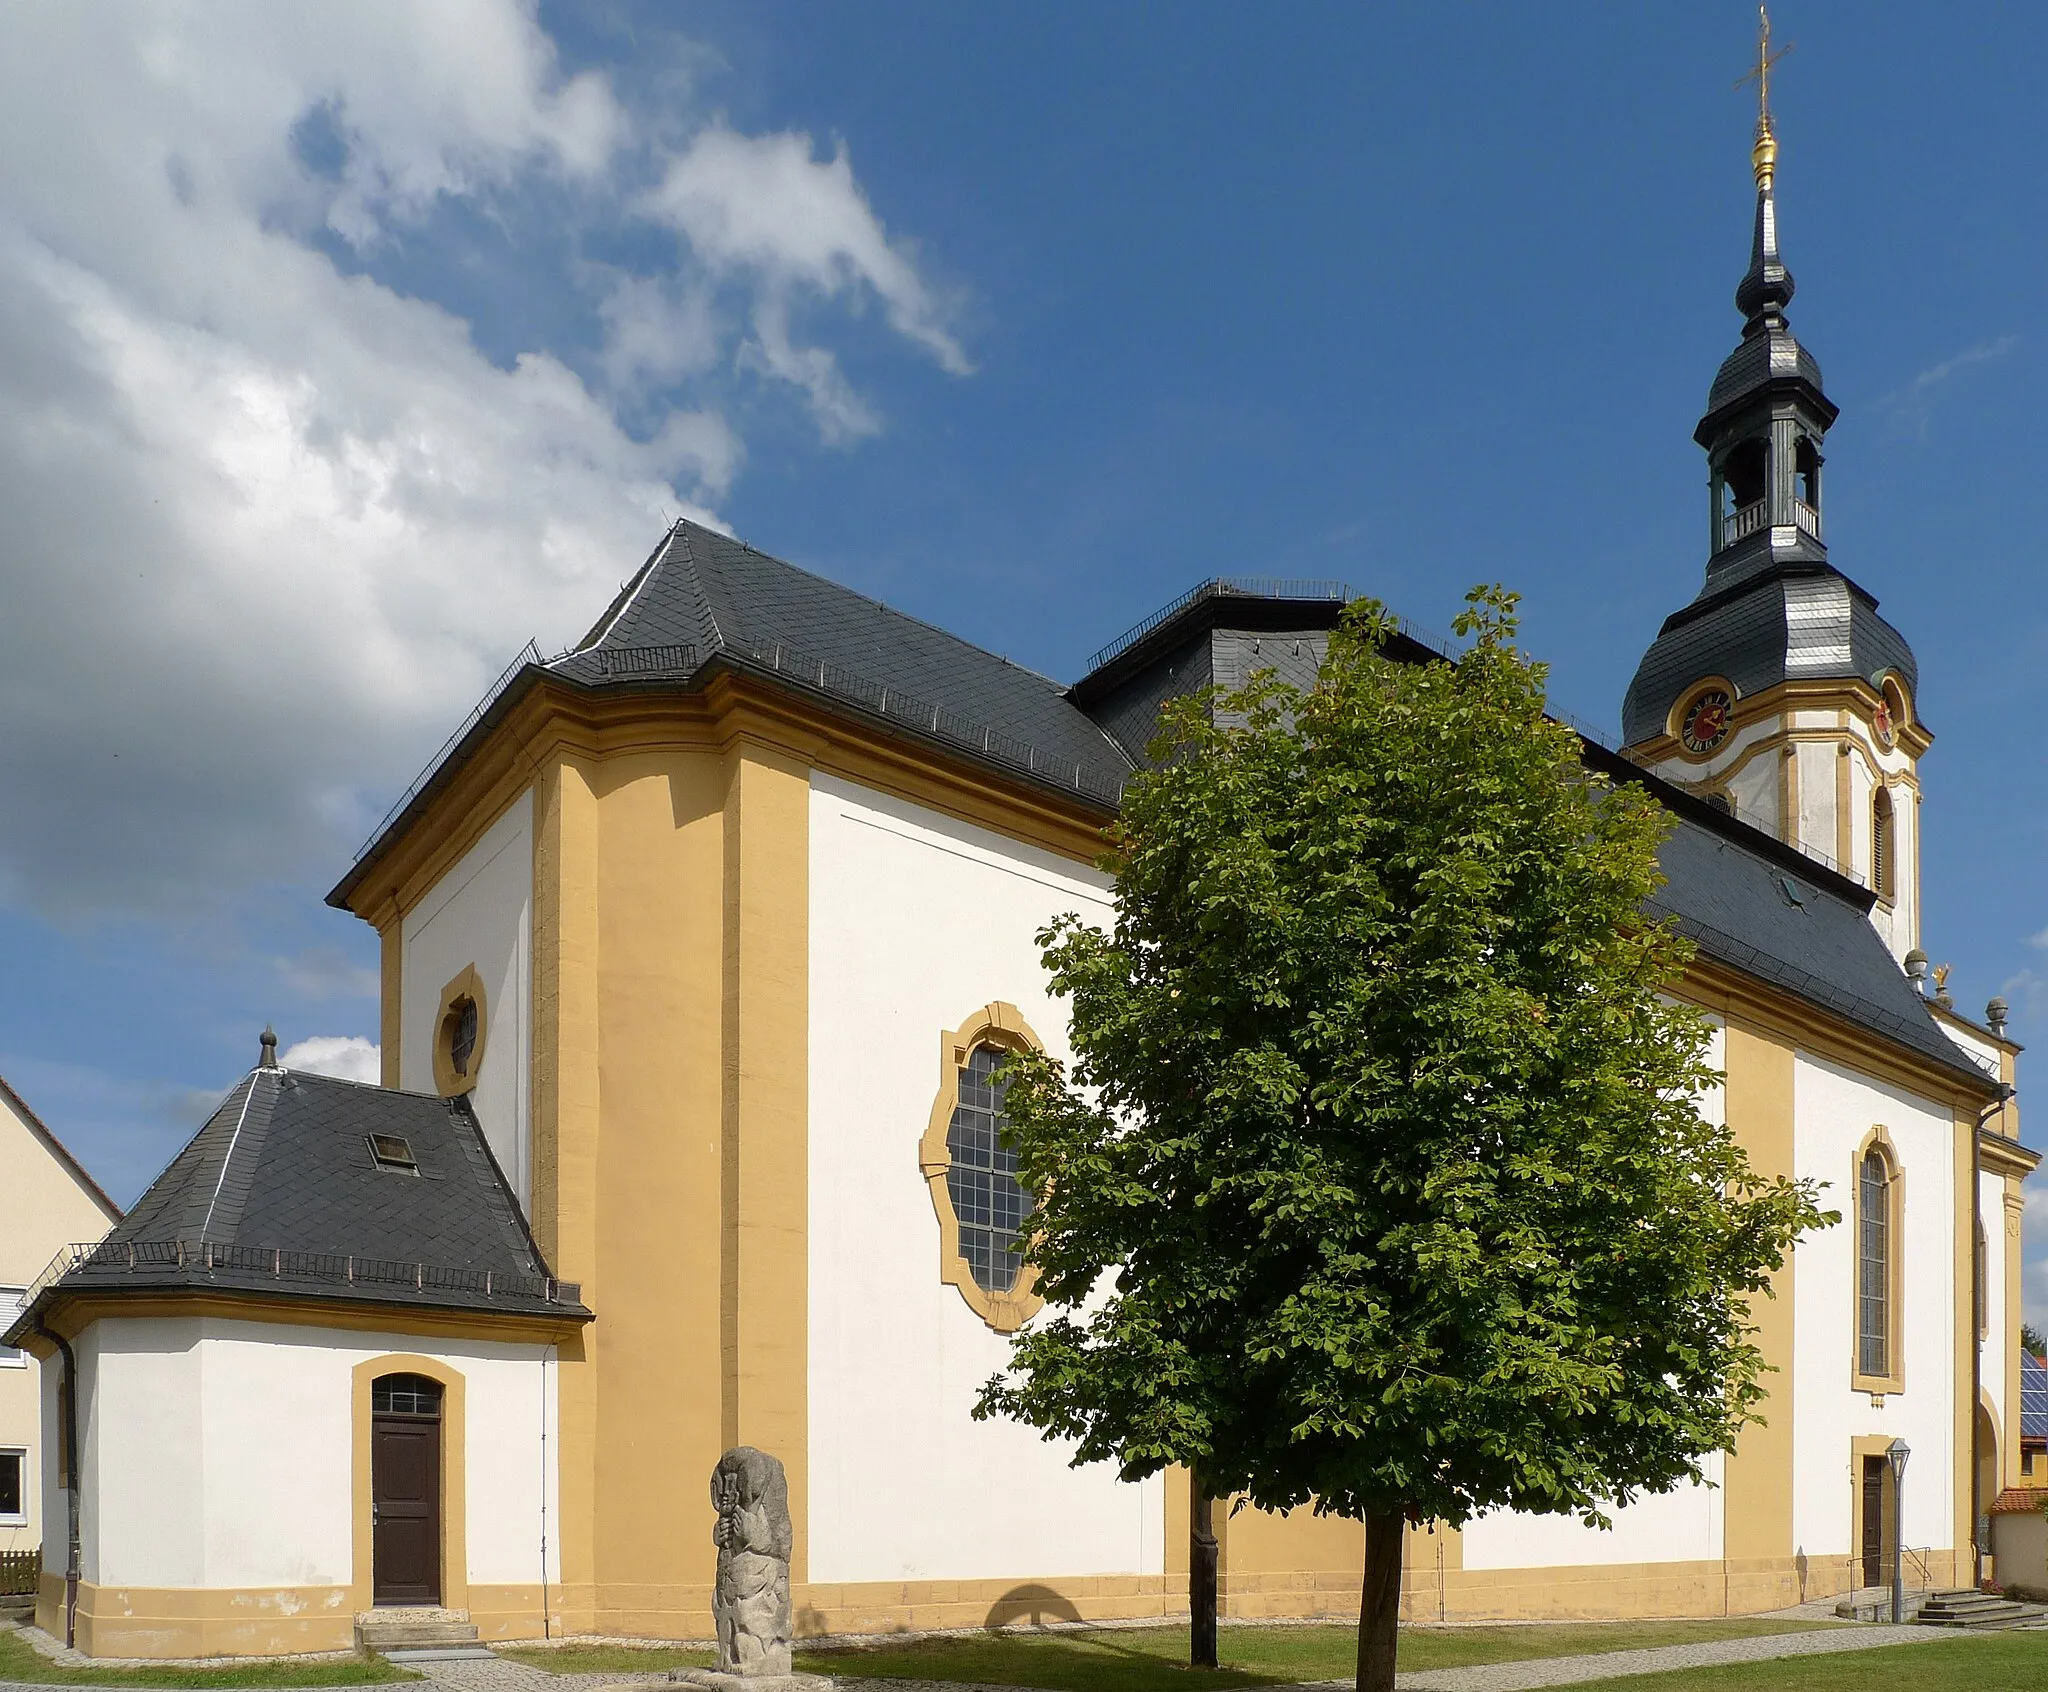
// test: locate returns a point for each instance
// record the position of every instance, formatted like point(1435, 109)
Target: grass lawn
point(1979, 1664)
point(1153, 1659)
point(21, 1661)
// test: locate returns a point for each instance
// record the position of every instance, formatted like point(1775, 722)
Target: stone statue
point(750, 1603)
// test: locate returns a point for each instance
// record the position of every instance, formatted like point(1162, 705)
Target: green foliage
point(1377, 1180)
point(2031, 1340)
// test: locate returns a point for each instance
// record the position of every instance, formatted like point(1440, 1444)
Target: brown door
point(405, 1490)
point(1873, 1521)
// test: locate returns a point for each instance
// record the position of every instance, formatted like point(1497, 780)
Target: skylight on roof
point(393, 1151)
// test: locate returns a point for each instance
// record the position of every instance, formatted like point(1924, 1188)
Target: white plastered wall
point(479, 915)
point(220, 1454)
point(1834, 1110)
point(1684, 1525)
point(917, 921)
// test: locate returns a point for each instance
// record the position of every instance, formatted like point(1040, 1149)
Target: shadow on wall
point(1034, 1605)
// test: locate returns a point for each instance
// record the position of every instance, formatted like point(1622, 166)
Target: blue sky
point(343, 350)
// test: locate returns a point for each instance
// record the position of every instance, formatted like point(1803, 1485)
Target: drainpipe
point(68, 1402)
point(2005, 1095)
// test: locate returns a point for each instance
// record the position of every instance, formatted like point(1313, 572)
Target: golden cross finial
point(1763, 156)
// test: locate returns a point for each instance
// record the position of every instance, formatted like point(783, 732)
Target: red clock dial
point(1881, 721)
point(1706, 721)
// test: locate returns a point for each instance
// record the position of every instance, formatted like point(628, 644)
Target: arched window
point(982, 1180)
point(1878, 1243)
point(1883, 845)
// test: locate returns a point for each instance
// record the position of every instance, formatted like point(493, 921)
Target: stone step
point(1986, 1610)
point(412, 1627)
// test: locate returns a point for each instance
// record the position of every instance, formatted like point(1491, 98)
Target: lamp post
point(1896, 1454)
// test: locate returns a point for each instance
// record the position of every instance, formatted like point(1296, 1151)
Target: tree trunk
point(1379, 1605)
point(1202, 1559)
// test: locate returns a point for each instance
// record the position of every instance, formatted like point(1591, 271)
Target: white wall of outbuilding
point(220, 1453)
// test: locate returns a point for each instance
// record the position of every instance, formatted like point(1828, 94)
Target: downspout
point(67, 1400)
point(1979, 1295)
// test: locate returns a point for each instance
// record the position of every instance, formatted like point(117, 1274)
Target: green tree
point(1376, 1182)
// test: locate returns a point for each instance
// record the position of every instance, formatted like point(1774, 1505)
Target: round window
point(461, 1025)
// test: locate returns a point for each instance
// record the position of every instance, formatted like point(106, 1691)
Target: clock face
point(1706, 721)
point(1881, 722)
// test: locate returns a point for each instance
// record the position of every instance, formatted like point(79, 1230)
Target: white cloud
point(347, 1056)
point(273, 525)
point(765, 207)
point(1911, 402)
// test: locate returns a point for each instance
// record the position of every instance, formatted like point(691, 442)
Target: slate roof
point(1759, 621)
point(2033, 1397)
point(278, 1194)
point(1736, 901)
point(718, 595)
point(705, 602)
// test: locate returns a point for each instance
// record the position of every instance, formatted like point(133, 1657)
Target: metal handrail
point(208, 1257)
point(1217, 587)
point(528, 654)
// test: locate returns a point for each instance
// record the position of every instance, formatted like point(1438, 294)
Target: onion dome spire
point(1767, 287)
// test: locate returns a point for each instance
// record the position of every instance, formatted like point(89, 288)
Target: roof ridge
point(881, 605)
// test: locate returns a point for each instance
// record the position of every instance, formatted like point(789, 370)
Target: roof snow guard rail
point(1222, 587)
point(101, 1261)
point(528, 654)
point(922, 716)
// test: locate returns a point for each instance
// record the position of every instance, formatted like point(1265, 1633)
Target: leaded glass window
point(405, 1395)
point(988, 1203)
point(1873, 1266)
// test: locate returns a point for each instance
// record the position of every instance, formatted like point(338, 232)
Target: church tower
point(1779, 694)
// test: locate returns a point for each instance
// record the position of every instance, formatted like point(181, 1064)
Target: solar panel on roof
point(2033, 1397)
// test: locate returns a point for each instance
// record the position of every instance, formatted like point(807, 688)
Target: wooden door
point(1873, 1521)
point(405, 1506)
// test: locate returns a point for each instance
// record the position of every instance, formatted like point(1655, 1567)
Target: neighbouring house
point(700, 946)
point(47, 1201)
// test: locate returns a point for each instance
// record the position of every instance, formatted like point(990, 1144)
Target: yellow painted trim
point(1858, 697)
point(1892, 1378)
point(565, 1114)
point(73, 1313)
point(1760, 1069)
point(765, 1118)
point(995, 1024)
point(454, 1475)
point(390, 999)
point(553, 724)
point(1675, 719)
point(1876, 1445)
point(449, 1082)
point(1716, 987)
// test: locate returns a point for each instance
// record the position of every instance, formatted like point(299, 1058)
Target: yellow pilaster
point(765, 1155)
point(390, 991)
point(565, 1131)
point(1757, 1508)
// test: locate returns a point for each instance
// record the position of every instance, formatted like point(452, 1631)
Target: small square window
point(13, 1487)
point(392, 1151)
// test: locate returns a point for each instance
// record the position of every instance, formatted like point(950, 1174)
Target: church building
point(700, 945)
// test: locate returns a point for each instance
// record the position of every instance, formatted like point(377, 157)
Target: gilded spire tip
point(1763, 156)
